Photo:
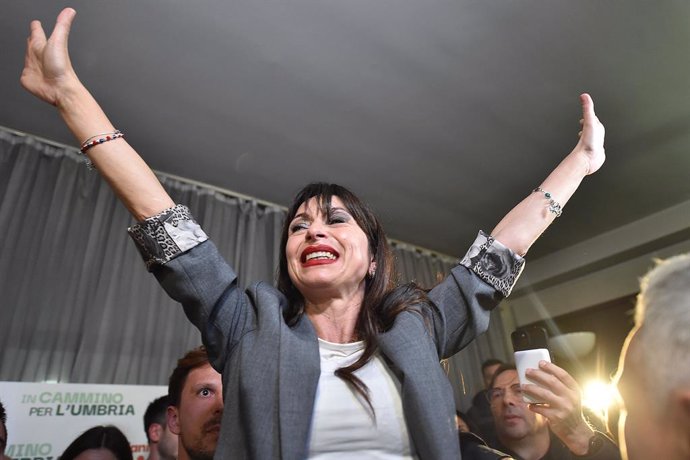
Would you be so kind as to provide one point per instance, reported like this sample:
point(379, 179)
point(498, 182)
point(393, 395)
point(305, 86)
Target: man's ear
point(173, 420)
point(155, 431)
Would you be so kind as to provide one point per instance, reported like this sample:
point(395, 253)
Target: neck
point(153, 453)
point(531, 447)
point(335, 320)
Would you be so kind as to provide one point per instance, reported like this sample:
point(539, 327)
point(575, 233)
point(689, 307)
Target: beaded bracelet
point(97, 139)
point(554, 206)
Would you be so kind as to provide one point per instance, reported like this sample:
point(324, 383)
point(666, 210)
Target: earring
point(372, 270)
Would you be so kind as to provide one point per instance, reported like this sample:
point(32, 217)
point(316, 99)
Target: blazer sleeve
point(191, 270)
point(462, 302)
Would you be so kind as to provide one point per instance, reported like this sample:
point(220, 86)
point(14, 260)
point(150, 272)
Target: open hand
point(591, 142)
point(47, 67)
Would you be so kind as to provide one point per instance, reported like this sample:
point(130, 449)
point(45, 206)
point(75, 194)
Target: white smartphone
point(530, 347)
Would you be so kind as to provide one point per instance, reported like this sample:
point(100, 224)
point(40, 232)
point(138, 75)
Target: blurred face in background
point(512, 417)
point(645, 430)
point(167, 443)
point(3, 439)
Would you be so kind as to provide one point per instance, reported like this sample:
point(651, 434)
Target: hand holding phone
point(530, 347)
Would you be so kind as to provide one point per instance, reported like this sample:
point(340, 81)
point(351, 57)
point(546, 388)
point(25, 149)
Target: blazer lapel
point(299, 376)
point(425, 390)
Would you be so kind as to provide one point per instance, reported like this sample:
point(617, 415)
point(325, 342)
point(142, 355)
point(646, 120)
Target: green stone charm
point(554, 206)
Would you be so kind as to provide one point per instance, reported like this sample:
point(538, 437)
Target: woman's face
point(327, 255)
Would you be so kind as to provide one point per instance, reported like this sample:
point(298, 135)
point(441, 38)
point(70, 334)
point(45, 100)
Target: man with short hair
point(162, 441)
point(654, 373)
point(195, 390)
point(554, 430)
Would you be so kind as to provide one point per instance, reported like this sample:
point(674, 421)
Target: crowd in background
point(500, 424)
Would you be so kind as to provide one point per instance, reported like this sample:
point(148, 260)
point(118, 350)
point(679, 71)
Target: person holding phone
point(553, 430)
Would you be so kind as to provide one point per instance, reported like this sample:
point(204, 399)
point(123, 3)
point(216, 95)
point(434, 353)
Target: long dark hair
point(382, 301)
point(100, 437)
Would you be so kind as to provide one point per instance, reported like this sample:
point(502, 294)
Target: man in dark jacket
point(554, 430)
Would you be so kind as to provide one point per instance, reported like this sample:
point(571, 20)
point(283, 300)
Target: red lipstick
point(318, 255)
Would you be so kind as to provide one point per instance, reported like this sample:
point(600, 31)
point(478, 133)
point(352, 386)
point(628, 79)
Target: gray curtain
point(76, 303)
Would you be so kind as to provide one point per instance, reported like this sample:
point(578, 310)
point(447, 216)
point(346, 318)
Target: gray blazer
point(271, 371)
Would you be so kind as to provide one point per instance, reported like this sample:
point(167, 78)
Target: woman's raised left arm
point(521, 227)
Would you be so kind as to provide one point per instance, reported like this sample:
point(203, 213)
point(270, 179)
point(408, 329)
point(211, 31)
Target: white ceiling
point(442, 114)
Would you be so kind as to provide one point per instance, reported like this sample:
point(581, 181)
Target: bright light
point(598, 396)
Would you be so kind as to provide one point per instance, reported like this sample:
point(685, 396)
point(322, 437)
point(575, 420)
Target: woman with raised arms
point(338, 361)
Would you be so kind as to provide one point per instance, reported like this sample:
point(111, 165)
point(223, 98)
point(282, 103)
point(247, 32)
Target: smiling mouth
point(319, 255)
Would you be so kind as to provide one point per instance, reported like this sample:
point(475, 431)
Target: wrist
point(596, 442)
point(69, 95)
point(81, 113)
point(578, 440)
point(580, 161)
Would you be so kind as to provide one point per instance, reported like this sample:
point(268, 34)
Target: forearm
point(128, 175)
point(521, 227)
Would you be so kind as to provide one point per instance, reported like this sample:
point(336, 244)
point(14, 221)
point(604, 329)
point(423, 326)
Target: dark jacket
point(472, 447)
point(605, 449)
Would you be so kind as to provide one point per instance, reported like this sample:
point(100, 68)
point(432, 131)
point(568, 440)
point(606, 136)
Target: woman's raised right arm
point(48, 75)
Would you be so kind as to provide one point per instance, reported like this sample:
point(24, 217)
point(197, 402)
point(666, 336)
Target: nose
point(219, 404)
point(316, 230)
point(511, 397)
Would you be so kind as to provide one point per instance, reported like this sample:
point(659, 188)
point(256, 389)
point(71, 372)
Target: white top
point(343, 426)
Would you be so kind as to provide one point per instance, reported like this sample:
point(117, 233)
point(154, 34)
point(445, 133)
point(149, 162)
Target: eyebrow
point(332, 209)
point(301, 215)
point(508, 385)
point(206, 384)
